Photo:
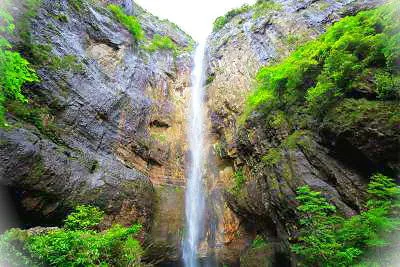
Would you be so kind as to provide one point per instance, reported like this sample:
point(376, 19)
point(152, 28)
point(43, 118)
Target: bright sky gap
point(193, 16)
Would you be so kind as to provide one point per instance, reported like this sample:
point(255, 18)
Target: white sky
point(194, 16)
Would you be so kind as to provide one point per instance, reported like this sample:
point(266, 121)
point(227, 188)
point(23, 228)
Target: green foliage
point(15, 71)
point(239, 181)
point(23, 26)
point(293, 41)
point(37, 171)
point(12, 252)
point(131, 252)
point(352, 53)
point(327, 239)
point(388, 85)
point(83, 218)
point(263, 7)
point(68, 63)
point(258, 242)
point(383, 188)
point(220, 22)
point(294, 139)
point(76, 4)
point(277, 119)
point(40, 55)
point(210, 78)
point(6, 24)
point(161, 42)
point(131, 23)
point(86, 247)
point(38, 116)
point(272, 157)
point(219, 150)
point(260, 8)
point(189, 47)
point(313, 205)
point(161, 137)
point(352, 112)
point(317, 232)
point(77, 244)
point(61, 17)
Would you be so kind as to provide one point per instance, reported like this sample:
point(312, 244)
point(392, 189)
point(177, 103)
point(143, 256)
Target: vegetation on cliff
point(346, 76)
point(260, 8)
point(78, 243)
point(329, 239)
point(158, 42)
point(239, 181)
point(357, 56)
point(131, 23)
point(220, 22)
point(161, 42)
point(339, 92)
point(15, 71)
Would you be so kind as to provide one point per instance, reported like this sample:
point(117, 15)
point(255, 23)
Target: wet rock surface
point(335, 156)
point(113, 117)
point(111, 130)
point(250, 40)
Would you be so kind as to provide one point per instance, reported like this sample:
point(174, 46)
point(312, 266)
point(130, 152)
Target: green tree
point(83, 218)
point(76, 244)
point(328, 239)
point(318, 223)
point(15, 71)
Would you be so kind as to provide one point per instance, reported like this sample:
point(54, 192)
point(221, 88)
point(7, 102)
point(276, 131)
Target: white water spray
point(195, 196)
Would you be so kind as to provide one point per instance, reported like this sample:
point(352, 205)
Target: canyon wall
point(106, 123)
point(277, 152)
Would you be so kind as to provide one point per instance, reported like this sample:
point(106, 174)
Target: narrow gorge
point(274, 141)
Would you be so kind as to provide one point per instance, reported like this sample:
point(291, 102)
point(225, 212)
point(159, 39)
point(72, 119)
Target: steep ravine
point(106, 125)
point(105, 128)
point(328, 157)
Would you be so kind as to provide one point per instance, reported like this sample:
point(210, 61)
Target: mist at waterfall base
point(195, 195)
point(8, 216)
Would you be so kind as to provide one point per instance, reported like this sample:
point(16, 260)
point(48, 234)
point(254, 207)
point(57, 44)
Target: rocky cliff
point(105, 124)
point(263, 157)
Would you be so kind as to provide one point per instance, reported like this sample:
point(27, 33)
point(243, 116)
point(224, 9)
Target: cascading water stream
point(195, 195)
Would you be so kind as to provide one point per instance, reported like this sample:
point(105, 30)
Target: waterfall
point(195, 195)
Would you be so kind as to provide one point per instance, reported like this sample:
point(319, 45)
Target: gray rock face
point(153, 25)
point(102, 115)
point(50, 179)
point(267, 200)
point(254, 39)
